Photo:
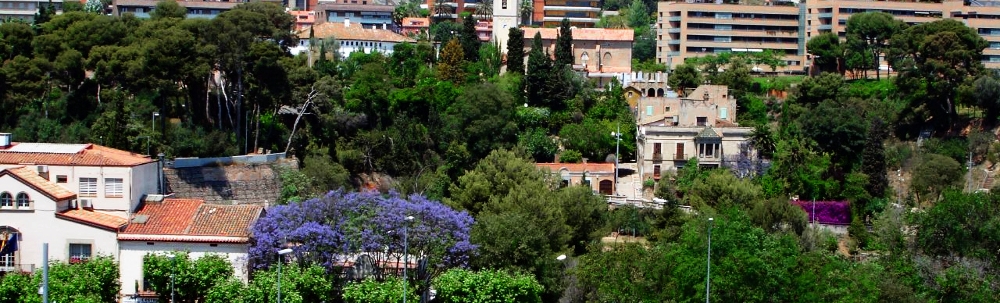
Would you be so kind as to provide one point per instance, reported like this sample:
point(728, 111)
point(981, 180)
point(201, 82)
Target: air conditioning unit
point(86, 203)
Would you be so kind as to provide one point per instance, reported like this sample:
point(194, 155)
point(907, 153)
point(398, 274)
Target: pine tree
point(873, 160)
point(515, 51)
point(470, 40)
point(450, 66)
point(537, 75)
point(564, 44)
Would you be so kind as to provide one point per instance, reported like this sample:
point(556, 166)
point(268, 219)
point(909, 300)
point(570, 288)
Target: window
point(723, 113)
point(61, 179)
point(656, 149)
point(79, 252)
point(23, 200)
point(6, 200)
point(649, 110)
point(667, 109)
point(9, 238)
point(88, 187)
point(113, 187)
point(702, 121)
point(656, 171)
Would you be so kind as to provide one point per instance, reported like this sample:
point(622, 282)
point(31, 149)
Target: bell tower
point(505, 16)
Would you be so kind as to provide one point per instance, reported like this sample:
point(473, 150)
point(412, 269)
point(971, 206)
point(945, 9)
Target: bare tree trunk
point(302, 110)
point(208, 95)
point(98, 93)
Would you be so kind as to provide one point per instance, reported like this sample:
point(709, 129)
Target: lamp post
point(173, 269)
point(708, 263)
point(281, 253)
point(618, 140)
point(155, 114)
point(406, 260)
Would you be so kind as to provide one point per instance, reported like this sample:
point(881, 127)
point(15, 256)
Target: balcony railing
point(657, 157)
point(680, 156)
point(17, 268)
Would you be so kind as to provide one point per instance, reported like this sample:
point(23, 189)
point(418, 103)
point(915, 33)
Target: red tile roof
point(354, 32)
point(31, 178)
point(191, 220)
point(106, 221)
point(89, 155)
point(579, 167)
point(581, 34)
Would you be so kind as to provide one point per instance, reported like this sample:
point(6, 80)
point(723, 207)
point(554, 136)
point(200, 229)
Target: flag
point(8, 243)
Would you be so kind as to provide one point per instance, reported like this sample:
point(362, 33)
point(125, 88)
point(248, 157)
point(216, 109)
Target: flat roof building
point(695, 28)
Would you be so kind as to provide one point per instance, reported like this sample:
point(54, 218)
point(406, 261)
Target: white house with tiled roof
point(76, 197)
point(351, 37)
point(161, 226)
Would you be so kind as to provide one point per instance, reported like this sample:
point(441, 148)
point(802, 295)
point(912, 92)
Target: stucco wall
point(136, 182)
point(132, 253)
point(39, 225)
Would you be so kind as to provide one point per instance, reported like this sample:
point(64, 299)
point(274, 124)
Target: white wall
point(39, 225)
point(132, 253)
point(346, 47)
point(137, 181)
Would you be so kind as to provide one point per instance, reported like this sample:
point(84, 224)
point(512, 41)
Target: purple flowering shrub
point(332, 229)
point(827, 212)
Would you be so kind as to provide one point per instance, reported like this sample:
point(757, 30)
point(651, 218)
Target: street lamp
point(173, 269)
point(618, 140)
point(155, 114)
point(406, 260)
point(281, 253)
point(708, 263)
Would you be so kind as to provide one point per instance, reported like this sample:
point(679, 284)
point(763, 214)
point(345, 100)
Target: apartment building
point(695, 28)
point(451, 9)
point(673, 130)
point(25, 9)
point(366, 15)
point(195, 9)
point(351, 37)
point(580, 13)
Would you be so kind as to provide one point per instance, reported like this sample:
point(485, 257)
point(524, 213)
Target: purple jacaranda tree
point(341, 225)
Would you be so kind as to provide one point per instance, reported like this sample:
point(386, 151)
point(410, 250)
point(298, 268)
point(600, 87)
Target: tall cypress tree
point(515, 51)
point(564, 44)
point(470, 40)
point(873, 161)
point(536, 78)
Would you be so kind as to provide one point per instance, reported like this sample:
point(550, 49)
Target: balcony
point(826, 15)
point(17, 268)
point(674, 18)
point(674, 30)
point(825, 27)
point(571, 19)
point(680, 157)
point(761, 21)
point(743, 33)
point(556, 8)
point(674, 42)
point(657, 157)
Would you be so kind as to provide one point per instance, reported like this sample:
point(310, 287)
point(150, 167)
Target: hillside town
point(499, 151)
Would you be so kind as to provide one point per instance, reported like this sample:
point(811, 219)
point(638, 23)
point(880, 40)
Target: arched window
point(23, 200)
point(659, 92)
point(651, 93)
point(607, 58)
point(6, 200)
point(9, 238)
point(584, 58)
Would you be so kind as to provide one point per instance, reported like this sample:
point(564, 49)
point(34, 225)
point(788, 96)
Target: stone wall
point(232, 184)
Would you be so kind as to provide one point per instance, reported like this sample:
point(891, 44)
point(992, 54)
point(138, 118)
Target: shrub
point(371, 291)
point(570, 156)
point(488, 286)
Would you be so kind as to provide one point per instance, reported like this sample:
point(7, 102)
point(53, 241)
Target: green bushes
point(487, 286)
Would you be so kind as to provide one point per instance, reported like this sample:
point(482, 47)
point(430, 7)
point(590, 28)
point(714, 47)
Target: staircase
point(988, 183)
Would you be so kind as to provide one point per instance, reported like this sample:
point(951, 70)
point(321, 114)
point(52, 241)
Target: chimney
point(5, 139)
point(161, 188)
point(347, 22)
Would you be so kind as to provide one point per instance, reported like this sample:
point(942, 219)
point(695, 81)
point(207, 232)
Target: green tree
point(722, 189)
point(933, 174)
point(828, 53)
point(873, 163)
point(872, 31)
point(371, 291)
point(584, 215)
point(515, 51)
point(496, 175)
point(638, 15)
point(538, 73)
point(986, 94)
point(450, 66)
point(564, 45)
point(192, 278)
point(470, 39)
point(685, 76)
point(168, 9)
point(487, 286)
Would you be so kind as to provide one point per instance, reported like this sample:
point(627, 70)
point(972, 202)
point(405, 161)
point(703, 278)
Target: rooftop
point(191, 219)
point(590, 34)
point(31, 178)
point(90, 217)
point(188, 4)
point(69, 155)
point(579, 167)
point(341, 31)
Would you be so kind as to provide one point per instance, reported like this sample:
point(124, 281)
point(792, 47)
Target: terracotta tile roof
point(589, 34)
point(88, 155)
point(192, 220)
point(579, 167)
point(355, 32)
point(106, 221)
point(31, 178)
point(416, 22)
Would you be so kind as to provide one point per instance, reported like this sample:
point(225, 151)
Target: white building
point(76, 197)
point(347, 38)
point(162, 226)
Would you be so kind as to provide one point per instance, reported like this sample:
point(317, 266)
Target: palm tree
point(485, 9)
point(442, 8)
point(527, 7)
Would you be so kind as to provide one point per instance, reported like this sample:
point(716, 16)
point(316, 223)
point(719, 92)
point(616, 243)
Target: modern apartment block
point(695, 28)
point(25, 9)
point(450, 9)
point(581, 13)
